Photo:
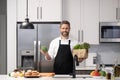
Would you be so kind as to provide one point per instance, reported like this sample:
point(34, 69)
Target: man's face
point(65, 29)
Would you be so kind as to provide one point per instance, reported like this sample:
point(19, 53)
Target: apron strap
point(59, 42)
point(69, 42)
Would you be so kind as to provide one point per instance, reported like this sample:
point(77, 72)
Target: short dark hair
point(65, 22)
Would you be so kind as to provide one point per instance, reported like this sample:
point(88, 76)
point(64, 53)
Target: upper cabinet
point(40, 10)
point(71, 12)
point(109, 10)
point(84, 18)
point(21, 10)
point(89, 18)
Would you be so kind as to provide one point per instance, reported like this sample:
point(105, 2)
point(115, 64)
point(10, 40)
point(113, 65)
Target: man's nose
point(65, 29)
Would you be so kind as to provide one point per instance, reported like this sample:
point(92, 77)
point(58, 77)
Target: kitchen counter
point(63, 77)
point(85, 68)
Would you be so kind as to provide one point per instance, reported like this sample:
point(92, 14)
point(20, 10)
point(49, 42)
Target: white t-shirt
point(54, 45)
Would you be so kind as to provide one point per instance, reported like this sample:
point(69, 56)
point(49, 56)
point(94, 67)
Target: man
point(60, 50)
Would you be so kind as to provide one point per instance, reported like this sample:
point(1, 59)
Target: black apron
point(64, 60)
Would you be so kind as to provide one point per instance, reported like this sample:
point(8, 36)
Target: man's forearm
point(47, 56)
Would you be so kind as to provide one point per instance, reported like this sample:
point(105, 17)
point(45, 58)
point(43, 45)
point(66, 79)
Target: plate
point(31, 76)
point(97, 77)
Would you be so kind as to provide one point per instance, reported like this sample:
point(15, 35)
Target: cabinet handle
point(40, 12)
point(116, 13)
point(82, 33)
point(37, 12)
point(78, 36)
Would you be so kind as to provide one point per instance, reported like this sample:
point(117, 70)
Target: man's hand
point(81, 59)
point(42, 52)
point(45, 54)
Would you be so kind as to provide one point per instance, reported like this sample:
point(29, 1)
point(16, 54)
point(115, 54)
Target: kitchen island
point(63, 77)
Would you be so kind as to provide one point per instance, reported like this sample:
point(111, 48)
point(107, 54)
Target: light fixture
point(26, 24)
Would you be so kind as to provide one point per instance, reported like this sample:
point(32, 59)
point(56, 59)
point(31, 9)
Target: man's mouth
point(65, 33)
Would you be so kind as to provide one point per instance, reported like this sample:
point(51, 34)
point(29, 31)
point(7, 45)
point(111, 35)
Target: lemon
point(21, 74)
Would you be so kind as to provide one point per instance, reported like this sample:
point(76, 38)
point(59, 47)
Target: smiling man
point(60, 50)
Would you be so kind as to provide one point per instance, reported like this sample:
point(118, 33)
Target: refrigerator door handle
point(39, 55)
point(35, 56)
point(34, 51)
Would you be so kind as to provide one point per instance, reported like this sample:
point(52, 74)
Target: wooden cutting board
point(47, 74)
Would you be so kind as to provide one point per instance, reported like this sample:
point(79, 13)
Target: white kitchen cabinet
point(40, 10)
point(89, 21)
point(52, 10)
point(71, 12)
point(84, 18)
point(21, 10)
point(109, 10)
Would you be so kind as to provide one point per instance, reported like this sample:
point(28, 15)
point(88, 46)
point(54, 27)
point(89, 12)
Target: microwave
point(109, 32)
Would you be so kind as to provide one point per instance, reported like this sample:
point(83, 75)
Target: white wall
point(11, 35)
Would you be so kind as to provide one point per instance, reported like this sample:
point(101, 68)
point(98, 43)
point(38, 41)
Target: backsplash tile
point(107, 52)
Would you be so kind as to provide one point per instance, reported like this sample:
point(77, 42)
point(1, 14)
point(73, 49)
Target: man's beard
point(65, 34)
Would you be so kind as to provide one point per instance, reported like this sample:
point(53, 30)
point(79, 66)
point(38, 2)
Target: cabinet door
point(40, 10)
point(84, 18)
point(21, 10)
point(34, 10)
point(108, 10)
point(71, 12)
point(51, 10)
point(90, 21)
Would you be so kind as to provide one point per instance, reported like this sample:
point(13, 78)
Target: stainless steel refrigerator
point(29, 42)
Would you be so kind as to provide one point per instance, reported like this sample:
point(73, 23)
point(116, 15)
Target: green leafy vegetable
point(86, 45)
point(44, 48)
point(82, 46)
point(77, 46)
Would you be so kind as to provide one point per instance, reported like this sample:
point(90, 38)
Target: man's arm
point(47, 56)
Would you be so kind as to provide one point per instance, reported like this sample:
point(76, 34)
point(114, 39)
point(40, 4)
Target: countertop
point(85, 68)
point(63, 77)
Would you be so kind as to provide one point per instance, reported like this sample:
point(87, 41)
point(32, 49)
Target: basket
point(81, 53)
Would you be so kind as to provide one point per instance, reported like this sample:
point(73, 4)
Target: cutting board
point(47, 74)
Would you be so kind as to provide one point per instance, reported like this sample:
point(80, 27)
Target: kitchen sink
point(62, 76)
point(69, 76)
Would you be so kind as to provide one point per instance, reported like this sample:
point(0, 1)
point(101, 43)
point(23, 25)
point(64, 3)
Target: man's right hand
point(45, 54)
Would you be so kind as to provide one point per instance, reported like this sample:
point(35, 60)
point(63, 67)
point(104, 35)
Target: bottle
point(115, 65)
point(112, 76)
point(108, 75)
point(113, 73)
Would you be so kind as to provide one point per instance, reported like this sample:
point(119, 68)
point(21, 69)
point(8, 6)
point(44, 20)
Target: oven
point(109, 32)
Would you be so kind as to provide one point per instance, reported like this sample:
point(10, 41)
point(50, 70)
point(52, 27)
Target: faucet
point(75, 63)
